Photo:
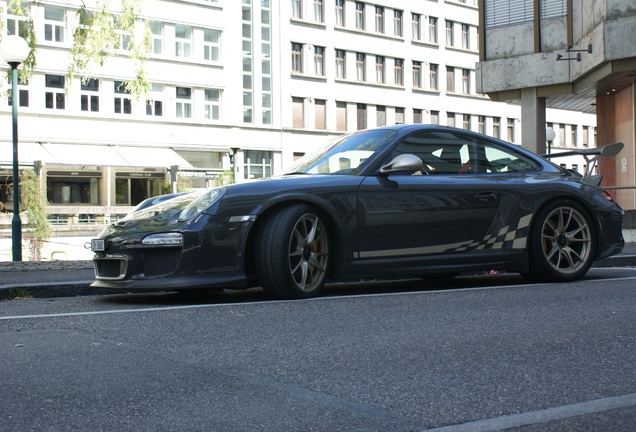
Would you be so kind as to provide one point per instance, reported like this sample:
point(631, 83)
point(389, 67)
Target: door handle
point(486, 196)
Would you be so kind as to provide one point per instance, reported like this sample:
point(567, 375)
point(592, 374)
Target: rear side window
point(451, 153)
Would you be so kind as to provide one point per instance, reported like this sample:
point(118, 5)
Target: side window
point(441, 152)
point(502, 160)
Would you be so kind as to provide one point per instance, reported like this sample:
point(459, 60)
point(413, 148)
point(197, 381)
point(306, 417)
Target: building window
point(466, 81)
point(379, 19)
point(399, 115)
point(17, 25)
point(23, 94)
point(266, 64)
point(297, 57)
point(450, 119)
point(417, 74)
point(416, 26)
point(124, 40)
point(562, 135)
point(503, 13)
point(55, 98)
point(320, 107)
point(496, 127)
point(184, 102)
point(156, 28)
point(297, 9)
point(433, 77)
point(89, 98)
point(434, 117)
point(360, 16)
point(54, 21)
point(397, 22)
point(258, 164)
point(71, 189)
point(417, 115)
point(465, 36)
point(211, 45)
point(380, 115)
point(212, 105)
point(450, 41)
point(318, 8)
point(183, 41)
point(379, 70)
point(247, 46)
point(360, 66)
point(340, 64)
point(553, 8)
point(361, 116)
point(481, 124)
point(574, 135)
point(298, 110)
point(123, 101)
point(511, 130)
point(398, 75)
point(466, 122)
point(340, 19)
point(130, 191)
point(586, 135)
point(450, 79)
point(432, 30)
point(341, 116)
point(154, 104)
point(319, 60)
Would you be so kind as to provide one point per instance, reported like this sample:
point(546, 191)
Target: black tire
point(562, 243)
point(291, 252)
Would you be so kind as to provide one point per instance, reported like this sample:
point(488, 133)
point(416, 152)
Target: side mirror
point(403, 164)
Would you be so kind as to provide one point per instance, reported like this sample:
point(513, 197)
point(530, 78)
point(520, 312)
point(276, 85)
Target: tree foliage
point(98, 34)
point(34, 203)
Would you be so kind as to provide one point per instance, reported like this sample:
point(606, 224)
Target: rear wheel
point(292, 252)
point(562, 243)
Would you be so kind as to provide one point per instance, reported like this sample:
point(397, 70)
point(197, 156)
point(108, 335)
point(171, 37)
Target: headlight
point(163, 239)
point(200, 204)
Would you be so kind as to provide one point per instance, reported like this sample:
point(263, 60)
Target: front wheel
point(562, 243)
point(292, 252)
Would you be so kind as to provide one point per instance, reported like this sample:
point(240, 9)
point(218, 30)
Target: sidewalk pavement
point(47, 279)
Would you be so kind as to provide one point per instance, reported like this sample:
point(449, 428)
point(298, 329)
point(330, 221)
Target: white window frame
point(212, 104)
point(212, 47)
point(157, 37)
point(54, 29)
point(90, 95)
point(183, 102)
point(183, 44)
point(122, 98)
point(155, 99)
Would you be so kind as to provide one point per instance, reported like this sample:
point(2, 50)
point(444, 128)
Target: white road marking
point(261, 302)
point(542, 416)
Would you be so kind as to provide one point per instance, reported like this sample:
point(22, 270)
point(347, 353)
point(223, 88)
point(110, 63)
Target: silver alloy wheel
point(308, 252)
point(566, 240)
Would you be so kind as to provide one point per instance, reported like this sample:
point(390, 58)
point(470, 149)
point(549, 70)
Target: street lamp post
point(550, 135)
point(14, 50)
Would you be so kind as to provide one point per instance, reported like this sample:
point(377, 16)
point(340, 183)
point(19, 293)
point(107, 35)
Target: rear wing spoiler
point(591, 157)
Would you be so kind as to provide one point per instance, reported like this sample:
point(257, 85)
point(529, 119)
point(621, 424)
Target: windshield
point(347, 154)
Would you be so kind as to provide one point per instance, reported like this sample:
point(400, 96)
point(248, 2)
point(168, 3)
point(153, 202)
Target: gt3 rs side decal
point(505, 238)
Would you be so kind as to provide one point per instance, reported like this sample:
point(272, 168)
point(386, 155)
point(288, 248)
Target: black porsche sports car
point(408, 200)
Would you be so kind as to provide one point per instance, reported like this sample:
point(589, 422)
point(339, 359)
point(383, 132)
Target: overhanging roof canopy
point(79, 155)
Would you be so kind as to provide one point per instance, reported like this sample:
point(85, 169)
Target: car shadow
point(339, 289)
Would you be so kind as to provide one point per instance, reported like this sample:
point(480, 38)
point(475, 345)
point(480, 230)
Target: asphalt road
point(484, 353)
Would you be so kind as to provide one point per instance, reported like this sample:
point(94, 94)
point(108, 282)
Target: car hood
point(159, 217)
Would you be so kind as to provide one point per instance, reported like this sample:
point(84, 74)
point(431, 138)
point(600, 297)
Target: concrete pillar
point(533, 121)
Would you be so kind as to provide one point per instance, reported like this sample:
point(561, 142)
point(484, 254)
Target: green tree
point(34, 203)
point(98, 34)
